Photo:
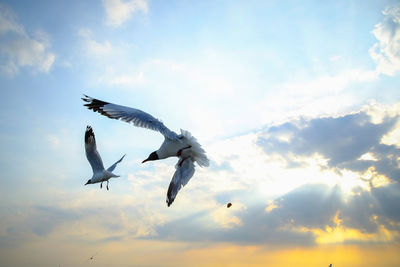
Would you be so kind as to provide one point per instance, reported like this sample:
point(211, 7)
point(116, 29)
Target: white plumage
point(100, 175)
point(184, 146)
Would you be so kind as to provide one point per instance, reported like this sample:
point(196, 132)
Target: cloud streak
point(19, 49)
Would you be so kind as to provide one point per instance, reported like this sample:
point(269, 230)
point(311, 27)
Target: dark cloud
point(258, 228)
point(388, 199)
point(342, 141)
point(313, 206)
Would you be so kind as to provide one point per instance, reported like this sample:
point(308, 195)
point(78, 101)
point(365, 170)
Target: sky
point(297, 104)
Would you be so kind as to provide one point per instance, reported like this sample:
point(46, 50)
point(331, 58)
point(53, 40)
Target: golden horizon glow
point(159, 253)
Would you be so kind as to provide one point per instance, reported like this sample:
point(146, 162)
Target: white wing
point(112, 167)
point(137, 117)
point(184, 171)
point(92, 154)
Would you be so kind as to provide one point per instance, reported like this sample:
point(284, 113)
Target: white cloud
point(21, 50)
point(92, 46)
point(386, 52)
point(120, 11)
point(126, 79)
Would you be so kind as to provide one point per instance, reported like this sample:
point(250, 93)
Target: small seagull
point(100, 175)
point(184, 146)
point(229, 205)
point(92, 257)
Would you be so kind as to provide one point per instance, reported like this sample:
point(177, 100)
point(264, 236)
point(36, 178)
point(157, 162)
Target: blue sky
point(296, 103)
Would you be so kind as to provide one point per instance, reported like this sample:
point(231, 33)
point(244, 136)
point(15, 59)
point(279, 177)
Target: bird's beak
point(152, 156)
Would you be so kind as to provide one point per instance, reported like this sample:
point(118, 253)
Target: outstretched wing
point(92, 154)
point(137, 117)
point(112, 167)
point(184, 171)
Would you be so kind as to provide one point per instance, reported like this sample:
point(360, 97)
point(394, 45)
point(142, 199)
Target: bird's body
point(100, 174)
point(184, 146)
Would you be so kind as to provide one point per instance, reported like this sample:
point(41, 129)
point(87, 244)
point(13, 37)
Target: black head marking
point(89, 132)
point(152, 156)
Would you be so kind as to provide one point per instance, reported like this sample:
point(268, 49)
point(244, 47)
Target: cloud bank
point(316, 213)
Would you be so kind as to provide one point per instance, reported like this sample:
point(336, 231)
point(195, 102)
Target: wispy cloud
point(19, 48)
point(92, 46)
point(120, 11)
point(8, 21)
point(386, 52)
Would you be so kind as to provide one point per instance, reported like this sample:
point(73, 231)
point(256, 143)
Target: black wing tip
point(93, 102)
point(96, 105)
point(86, 98)
point(121, 158)
point(169, 200)
point(169, 203)
point(89, 132)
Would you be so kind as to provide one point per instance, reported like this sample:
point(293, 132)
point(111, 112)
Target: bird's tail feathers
point(198, 152)
point(112, 174)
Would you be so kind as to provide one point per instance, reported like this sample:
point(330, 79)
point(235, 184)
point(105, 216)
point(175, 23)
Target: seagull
point(100, 175)
point(92, 257)
point(184, 145)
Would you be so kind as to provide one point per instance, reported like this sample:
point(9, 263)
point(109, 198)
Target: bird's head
point(152, 156)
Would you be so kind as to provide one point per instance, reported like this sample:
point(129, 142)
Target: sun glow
point(339, 234)
point(349, 180)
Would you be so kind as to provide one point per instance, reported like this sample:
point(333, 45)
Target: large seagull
point(184, 146)
point(100, 175)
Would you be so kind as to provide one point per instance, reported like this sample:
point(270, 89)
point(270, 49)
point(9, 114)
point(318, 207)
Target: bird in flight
point(100, 175)
point(183, 145)
point(92, 257)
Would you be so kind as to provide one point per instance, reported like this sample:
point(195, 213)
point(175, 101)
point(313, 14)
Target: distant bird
point(184, 146)
point(92, 257)
point(229, 205)
point(330, 265)
point(100, 175)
